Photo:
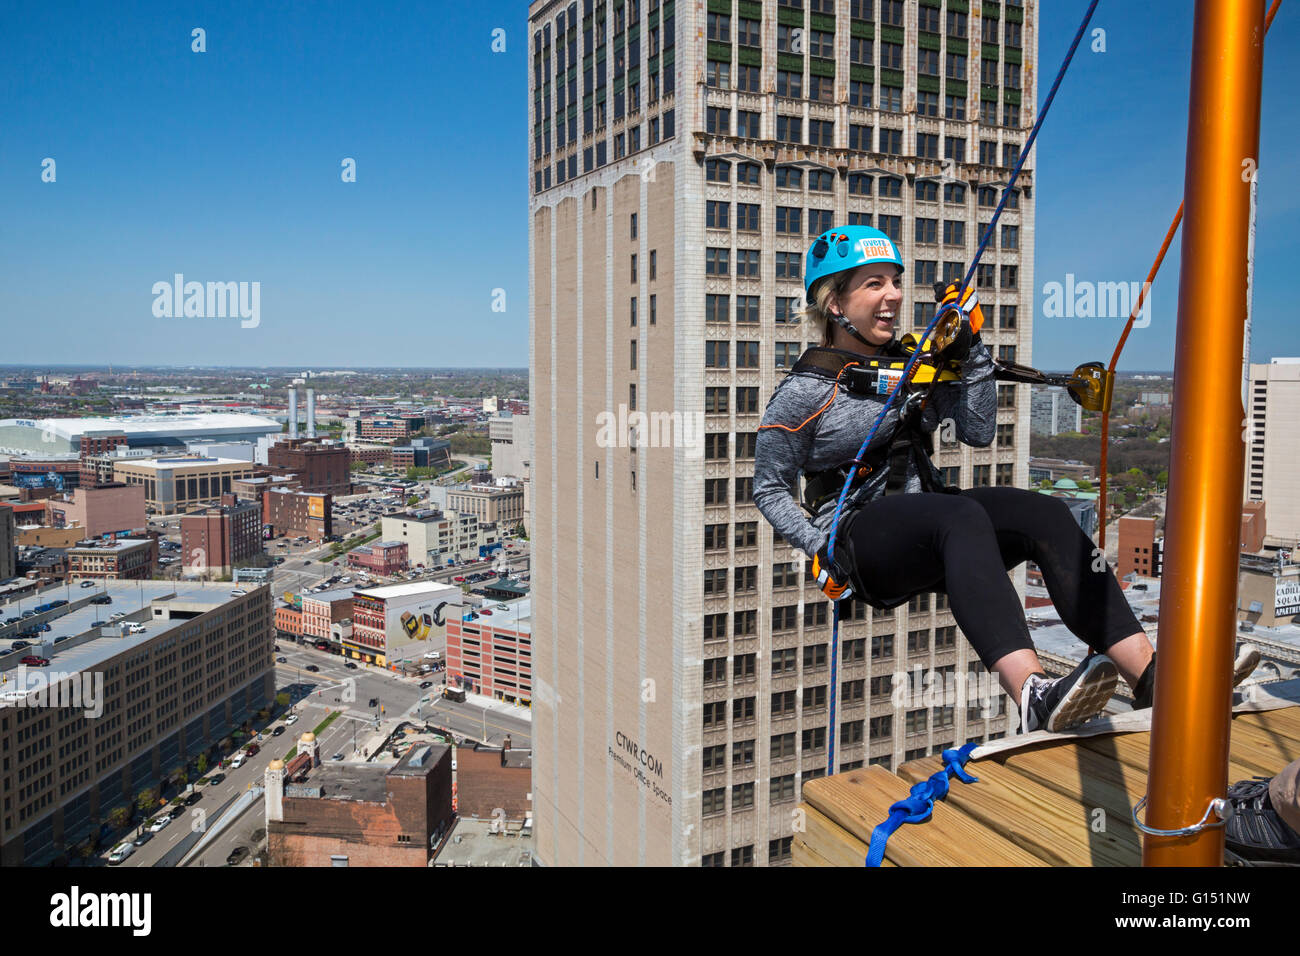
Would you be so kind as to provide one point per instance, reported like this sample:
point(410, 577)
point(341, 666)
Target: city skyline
point(86, 258)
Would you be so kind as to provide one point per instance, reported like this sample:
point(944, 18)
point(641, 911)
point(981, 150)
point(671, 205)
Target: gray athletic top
point(834, 437)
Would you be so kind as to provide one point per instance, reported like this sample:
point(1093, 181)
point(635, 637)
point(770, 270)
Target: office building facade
point(1273, 445)
point(201, 667)
point(683, 157)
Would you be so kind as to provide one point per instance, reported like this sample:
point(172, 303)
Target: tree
point(202, 764)
point(146, 799)
point(1162, 480)
point(282, 700)
point(1045, 483)
point(1084, 484)
point(119, 817)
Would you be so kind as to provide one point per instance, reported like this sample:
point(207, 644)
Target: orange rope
point(834, 392)
point(1128, 326)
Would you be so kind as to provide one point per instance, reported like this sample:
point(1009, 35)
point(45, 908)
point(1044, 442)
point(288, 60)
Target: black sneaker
point(1055, 704)
point(1247, 660)
point(1255, 832)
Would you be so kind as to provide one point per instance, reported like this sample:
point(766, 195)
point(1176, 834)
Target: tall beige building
point(683, 157)
point(1273, 431)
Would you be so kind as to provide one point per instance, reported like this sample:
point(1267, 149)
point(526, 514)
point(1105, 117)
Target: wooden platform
point(1058, 803)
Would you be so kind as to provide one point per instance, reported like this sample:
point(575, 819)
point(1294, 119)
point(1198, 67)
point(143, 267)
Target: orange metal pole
point(1190, 723)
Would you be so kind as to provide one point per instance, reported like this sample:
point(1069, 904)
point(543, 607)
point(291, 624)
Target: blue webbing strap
point(917, 807)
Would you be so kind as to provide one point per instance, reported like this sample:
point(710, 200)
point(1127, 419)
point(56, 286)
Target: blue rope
point(917, 807)
point(929, 329)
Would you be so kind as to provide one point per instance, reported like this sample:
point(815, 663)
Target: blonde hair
point(817, 312)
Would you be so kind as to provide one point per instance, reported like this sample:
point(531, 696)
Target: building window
point(716, 216)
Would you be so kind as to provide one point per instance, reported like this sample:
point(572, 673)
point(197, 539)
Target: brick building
point(288, 620)
point(219, 538)
point(319, 466)
point(120, 559)
point(94, 447)
point(322, 610)
point(346, 814)
point(371, 454)
point(382, 557)
point(492, 654)
point(105, 509)
point(1139, 551)
point(389, 427)
point(298, 512)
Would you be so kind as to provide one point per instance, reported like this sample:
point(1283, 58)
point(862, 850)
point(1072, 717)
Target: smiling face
point(870, 301)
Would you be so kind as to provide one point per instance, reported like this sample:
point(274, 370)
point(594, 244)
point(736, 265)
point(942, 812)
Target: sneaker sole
point(1248, 658)
point(1087, 698)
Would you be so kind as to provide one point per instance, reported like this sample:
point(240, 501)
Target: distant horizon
point(293, 369)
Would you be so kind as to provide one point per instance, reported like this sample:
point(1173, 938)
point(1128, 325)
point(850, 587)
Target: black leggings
point(963, 544)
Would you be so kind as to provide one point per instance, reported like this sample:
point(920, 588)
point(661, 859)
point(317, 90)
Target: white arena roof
point(54, 435)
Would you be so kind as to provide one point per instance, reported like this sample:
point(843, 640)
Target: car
point(237, 592)
point(282, 660)
point(102, 599)
point(87, 584)
point(27, 614)
point(426, 684)
point(459, 578)
point(99, 624)
point(34, 661)
point(12, 620)
point(237, 760)
point(194, 798)
point(62, 637)
point(253, 749)
point(143, 838)
point(160, 824)
point(279, 729)
point(19, 645)
point(215, 779)
point(312, 668)
point(237, 856)
point(120, 853)
point(291, 719)
point(337, 757)
point(43, 627)
point(486, 611)
point(306, 560)
point(350, 666)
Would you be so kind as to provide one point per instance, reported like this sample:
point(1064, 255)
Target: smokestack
point(311, 413)
point(293, 411)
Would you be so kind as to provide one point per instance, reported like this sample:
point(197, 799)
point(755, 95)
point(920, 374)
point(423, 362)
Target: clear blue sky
point(226, 166)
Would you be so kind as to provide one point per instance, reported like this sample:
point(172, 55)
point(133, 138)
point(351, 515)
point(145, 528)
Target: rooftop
point(473, 843)
point(121, 544)
point(402, 590)
point(181, 461)
point(142, 425)
point(1027, 805)
point(88, 647)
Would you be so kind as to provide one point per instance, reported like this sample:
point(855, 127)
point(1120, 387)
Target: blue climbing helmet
point(847, 247)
